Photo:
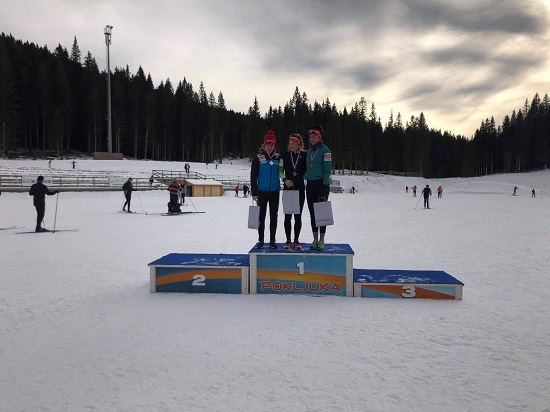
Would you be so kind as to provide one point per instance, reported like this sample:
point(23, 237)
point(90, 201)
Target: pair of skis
point(172, 214)
point(48, 231)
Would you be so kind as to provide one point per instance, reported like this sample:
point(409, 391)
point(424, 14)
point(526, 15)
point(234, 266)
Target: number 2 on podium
point(198, 280)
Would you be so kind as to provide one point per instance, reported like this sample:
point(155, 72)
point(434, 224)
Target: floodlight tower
point(108, 31)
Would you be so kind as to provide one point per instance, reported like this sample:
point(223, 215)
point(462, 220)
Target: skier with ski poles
point(128, 188)
point(39, 190)
point(427, 192)
point(173, 205)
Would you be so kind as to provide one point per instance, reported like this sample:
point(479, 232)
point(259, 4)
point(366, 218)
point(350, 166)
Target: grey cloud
point(486, 16)
point(421, 90)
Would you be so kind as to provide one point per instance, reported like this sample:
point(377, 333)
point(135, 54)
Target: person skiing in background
point(427, 192)
point(265, 186)
point(515, 190)
point(406, 189)
point(319, 168)
point(353, 190)
point(237, 190)
point(179, 195)
point(245, 190)
point(151, 181)
point(439, 191)
point(74, 164)
point(174, 189)
point(294, 167)
point(50, 164)
point(533, 193)
point(39, 190)
point(128, 188)
point(183, 191)
point(414, 190)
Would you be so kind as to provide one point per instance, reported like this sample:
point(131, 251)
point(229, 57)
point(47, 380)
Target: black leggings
point(265, 198)
point(316, 192)
point(128, 200)
point(426, 202)
point(40, 212)
point(297, 219)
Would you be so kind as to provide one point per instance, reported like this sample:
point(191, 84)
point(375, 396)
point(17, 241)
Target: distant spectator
point(533, 193)
point(515, 190)
point(74, 163)
point(237, 190)
point(353, 190)
point(151, 180)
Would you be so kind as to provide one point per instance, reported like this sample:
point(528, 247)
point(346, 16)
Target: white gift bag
point(291, 202)
point(323, 214)
point(253, 217)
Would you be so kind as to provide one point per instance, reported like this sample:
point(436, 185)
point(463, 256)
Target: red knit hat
point(270, 138)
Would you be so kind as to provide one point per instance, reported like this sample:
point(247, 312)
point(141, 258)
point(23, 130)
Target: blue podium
point(408, 284)
point(296, 272)
point(303, 272)
point(200, 273)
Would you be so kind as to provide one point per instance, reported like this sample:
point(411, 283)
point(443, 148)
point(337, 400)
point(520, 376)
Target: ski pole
point(417, 202)
point(193, 204)
point(55, 218)
point(142, 208)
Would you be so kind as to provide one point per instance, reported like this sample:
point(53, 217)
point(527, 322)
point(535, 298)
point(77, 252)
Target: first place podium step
point(303, 272)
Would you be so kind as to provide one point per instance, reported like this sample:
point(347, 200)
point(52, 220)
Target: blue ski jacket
point(264, 173)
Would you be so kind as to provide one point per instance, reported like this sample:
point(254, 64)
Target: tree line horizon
point(55, 102)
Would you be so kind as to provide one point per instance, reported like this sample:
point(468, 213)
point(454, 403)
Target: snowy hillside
point(80, 331)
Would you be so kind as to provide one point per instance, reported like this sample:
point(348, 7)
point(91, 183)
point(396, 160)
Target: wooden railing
point(14, 183)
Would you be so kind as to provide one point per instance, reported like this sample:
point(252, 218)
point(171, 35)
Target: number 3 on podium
point(409, 291)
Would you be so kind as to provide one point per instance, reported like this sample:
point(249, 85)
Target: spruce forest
point(54, 103)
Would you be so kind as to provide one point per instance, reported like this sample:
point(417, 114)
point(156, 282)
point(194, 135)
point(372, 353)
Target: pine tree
point(75, 52)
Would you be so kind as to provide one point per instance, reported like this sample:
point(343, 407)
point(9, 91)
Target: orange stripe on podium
point(281, 275)
point(208, 274)
point(418, 291)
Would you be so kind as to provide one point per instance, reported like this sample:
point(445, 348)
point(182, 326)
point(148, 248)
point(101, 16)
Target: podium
point(408, 284)
point(200, 273)
point(296, 272)
point(302, 272)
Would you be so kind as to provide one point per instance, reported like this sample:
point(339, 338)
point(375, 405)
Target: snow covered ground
point(80, 331)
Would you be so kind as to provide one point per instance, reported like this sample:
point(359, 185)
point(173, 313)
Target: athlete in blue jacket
point(265, 186)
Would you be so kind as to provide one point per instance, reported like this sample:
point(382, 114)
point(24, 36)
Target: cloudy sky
point(458, 61)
